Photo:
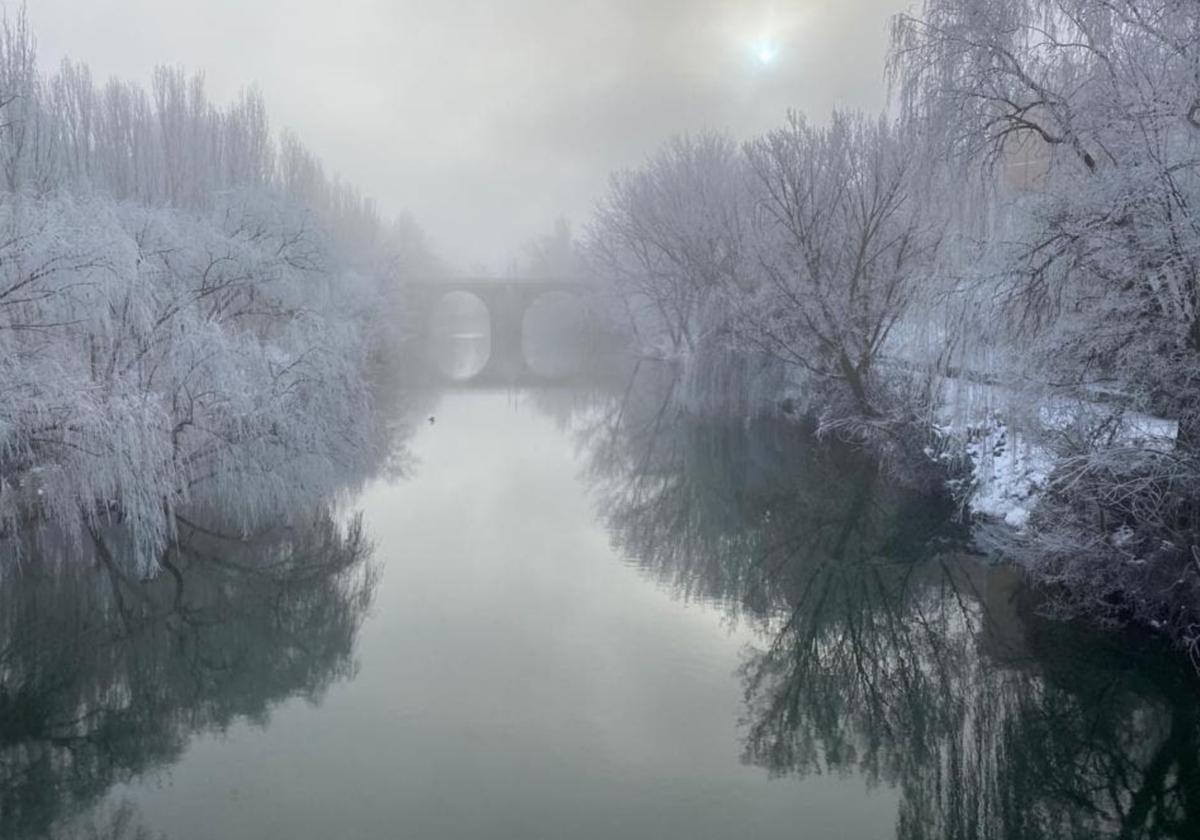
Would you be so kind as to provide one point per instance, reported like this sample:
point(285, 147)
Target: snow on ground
point(1010, 462)
point(1008, 473)
point(1006, 441)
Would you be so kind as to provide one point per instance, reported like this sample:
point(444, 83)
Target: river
point(585, 615)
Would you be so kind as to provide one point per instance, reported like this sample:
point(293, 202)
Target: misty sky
point(487, 120)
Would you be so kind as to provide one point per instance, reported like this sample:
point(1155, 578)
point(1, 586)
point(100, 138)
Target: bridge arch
point(459, 334)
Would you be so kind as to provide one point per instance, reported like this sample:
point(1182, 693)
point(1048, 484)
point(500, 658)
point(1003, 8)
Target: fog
point(486, 121)
point(599, 419)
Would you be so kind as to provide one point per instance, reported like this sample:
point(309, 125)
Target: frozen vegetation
point(994, 287)
point(190, 310)
point(998, 278)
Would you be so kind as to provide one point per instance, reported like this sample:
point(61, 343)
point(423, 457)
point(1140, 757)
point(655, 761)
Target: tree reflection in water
point(103, 678)
point(886, 649)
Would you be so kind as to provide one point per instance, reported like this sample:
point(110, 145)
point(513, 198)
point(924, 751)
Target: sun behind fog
point(765, 51)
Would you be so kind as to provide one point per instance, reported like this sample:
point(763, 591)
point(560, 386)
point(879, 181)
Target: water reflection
point(882, 650)
point(103, 678)
point(885, 649)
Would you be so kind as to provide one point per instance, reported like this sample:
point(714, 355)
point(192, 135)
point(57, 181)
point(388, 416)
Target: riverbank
point(1017, 471)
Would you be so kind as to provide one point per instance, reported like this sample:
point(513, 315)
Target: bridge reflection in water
point(481, 333)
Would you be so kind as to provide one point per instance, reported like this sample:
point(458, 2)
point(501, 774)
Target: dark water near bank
point(586, 616)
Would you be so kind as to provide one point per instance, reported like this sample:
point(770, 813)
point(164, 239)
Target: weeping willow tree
point(1086, 113)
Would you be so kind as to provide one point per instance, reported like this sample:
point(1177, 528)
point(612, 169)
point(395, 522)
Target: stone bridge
point(507, 301)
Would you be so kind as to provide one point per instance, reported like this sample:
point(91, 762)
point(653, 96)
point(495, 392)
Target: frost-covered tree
point(191, 314)
point(1099, 265)
point(843, 242)
point(671, 234)
point(1095, 265)
point(806, 247)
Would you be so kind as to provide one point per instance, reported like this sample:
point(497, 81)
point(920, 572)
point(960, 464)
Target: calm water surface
point(587, 616)
point(516, 679)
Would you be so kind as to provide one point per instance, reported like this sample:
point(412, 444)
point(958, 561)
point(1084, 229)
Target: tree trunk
point(854, 378)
